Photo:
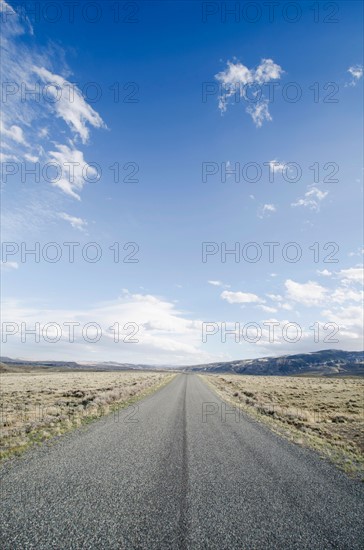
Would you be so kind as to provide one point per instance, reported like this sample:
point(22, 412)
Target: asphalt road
point(178, 472)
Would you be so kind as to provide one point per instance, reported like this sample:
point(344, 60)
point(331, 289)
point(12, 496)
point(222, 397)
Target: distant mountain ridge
point(325, 363)
point(7, 363)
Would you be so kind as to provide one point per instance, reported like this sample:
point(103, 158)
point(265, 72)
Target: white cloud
point(275, 166)
point(307, 294)
point(342, 295)
point(352, 275)
point(43, 132)
point(279, 302)
point(14, 133)
point(32, 218)
point(259, 113)
point(31, 158)
point(324, 273)
point(359, 252)
point(77, 223)
point(312, 199)
point(246, 84)
point(165, 335)
point(32, 121)
point(286, 306)
point(346, 317)
point(6, 158)
point(5, 8)
point(268, 309)
point(356, 72)
point(7, 266)
point(218, 283)
point(266, 209)
point(69, 103)
point(11, 23)
point(266, 71)
point(239, 297)
point(236, 74)
point(72, 168)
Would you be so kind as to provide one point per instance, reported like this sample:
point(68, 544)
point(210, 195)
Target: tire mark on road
point(182, 524)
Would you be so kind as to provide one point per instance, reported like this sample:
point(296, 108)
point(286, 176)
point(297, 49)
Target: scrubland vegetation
point(326, 414)
point(37, 406)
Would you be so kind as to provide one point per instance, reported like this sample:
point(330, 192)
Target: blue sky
point(171, 138)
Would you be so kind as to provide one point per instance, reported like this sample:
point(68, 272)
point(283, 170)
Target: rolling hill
point(318, 363)
point(324, 363)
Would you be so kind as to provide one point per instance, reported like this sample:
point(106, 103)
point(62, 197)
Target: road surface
point(177, 472)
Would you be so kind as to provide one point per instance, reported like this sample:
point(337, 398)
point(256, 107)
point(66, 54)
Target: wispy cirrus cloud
point(215, 283)
point(77, 223)
point(8, 266)
point(218, 283)
point(40, 106)
point(312, 199)
point(69, 104)
point(72, 167)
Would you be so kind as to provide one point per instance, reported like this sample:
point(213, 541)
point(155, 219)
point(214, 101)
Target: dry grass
point(323, 413)
point(36, 406)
